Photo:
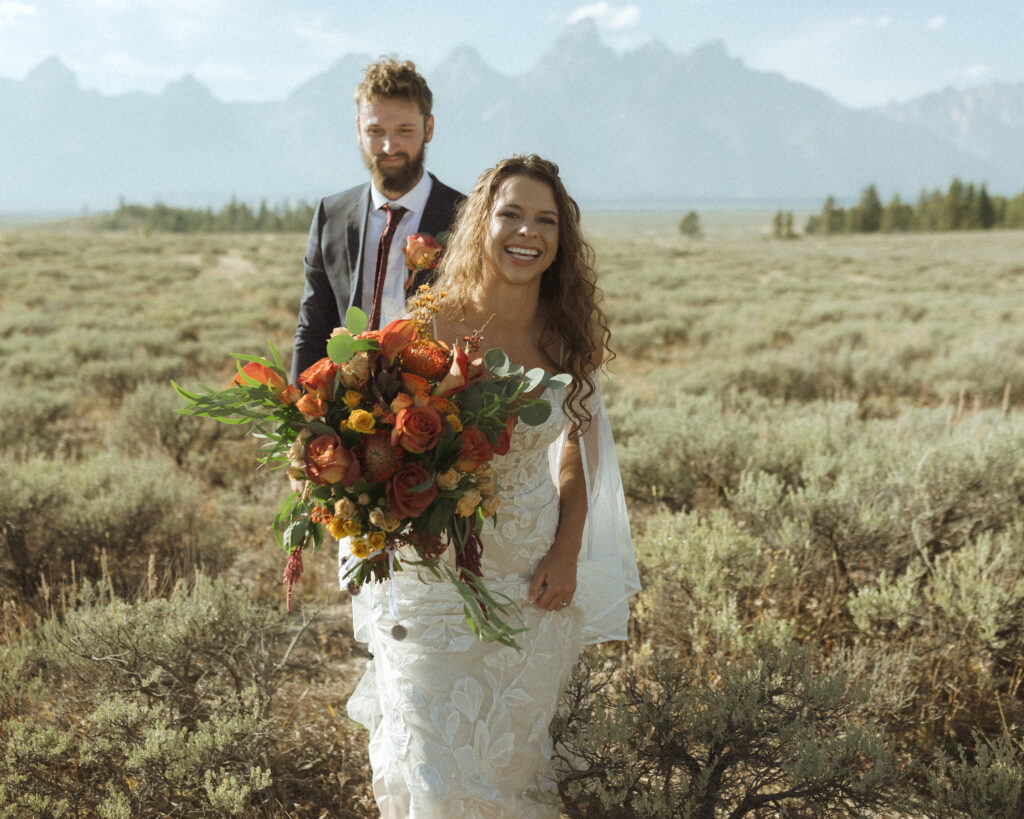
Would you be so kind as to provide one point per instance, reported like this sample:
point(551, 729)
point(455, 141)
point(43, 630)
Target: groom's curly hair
point(388, 79)
point(575, 324)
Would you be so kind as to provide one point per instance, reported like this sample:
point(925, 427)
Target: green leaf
point(535, 414)
point(497, 362)
point(341, 348)
point(534, 378)
point(355, 320)
point(320, 428)
point(559, 381)
point(295, 534)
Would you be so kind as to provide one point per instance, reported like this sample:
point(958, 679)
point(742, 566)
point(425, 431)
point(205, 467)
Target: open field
point(821, 444)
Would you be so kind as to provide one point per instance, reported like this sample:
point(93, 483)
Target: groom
point(356, 249)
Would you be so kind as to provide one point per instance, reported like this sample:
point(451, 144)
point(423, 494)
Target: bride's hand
point(554, 582)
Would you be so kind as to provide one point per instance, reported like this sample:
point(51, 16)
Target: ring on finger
point(564, 603)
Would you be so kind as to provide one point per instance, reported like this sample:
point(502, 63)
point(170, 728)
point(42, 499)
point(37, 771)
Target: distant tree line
point(235, 217)
point(961, 207)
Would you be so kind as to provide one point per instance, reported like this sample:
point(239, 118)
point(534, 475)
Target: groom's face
point(393, 134)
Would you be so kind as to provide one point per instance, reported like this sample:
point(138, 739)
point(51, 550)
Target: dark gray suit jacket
point(334, 263)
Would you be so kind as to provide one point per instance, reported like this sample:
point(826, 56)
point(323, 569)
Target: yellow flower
point(468, 502)
point(361, 421)
point(345, 509)
point(352, 398)
point(352, 527)
point(377, 517)
point(360, 548)
point(391, 522)
point(490, 505)
point(377, 540)
point(453, 419)
point(336, 526)
point(449, 480)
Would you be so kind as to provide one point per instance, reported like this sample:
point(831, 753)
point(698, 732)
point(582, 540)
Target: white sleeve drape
point(607, 574)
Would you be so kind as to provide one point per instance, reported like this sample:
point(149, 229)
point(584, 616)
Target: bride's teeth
point(523, 253)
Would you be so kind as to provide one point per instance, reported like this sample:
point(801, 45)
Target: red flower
point(504, 441)
point(476, 449)
point(404, 500)
point(261, 373)
point(417, 429)
point(457, 377)
point(311, 406)
point(422, 252)
point(318, 378)
point(395, 336)
point(328, 462)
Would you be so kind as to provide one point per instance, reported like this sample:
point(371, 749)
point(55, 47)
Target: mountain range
point(646, 127)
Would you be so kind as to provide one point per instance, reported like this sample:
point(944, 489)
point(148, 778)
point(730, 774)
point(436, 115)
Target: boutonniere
point(422, 252)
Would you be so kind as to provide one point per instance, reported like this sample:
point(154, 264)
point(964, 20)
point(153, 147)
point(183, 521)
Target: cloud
point(11, 11)
point(865, 22)
point(607, 16)
point(335, 42)
point(936, 22)
point(12, 8)
point(976, 72)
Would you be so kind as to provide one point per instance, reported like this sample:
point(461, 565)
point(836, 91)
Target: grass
point(819, 439)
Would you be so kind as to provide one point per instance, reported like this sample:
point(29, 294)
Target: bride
point(458, 726)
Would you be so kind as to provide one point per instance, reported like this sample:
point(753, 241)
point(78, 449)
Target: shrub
point(154, 709)
point(56, 512)
point(761, 732)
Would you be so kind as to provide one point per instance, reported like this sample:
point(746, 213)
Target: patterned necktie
point(394, 215)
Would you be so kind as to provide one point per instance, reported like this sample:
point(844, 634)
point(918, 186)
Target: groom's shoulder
point(346, 199)
point(444, 193)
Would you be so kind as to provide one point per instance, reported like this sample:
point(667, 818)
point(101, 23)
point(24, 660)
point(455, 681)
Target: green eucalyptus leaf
point(341, 347)
point(559, 381)
point(356, 321)
point(535, 413)
point(497, 362)
point(533, 379)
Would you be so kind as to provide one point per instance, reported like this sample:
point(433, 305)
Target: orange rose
point(476, 449)
point(311, 407)
point(416, 429)
point(404, 500)
point(290, 394)
point(422, 252)
point(401, 401)
point(328, 462)
point(318, 378)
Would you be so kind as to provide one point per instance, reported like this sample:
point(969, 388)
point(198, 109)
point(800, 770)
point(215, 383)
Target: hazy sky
point(862, 53)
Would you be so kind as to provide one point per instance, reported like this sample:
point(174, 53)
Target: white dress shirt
point(392, 304)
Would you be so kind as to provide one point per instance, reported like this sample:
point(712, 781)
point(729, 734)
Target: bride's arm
point(554, 582)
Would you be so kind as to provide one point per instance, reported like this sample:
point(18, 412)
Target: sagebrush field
point(820, 440)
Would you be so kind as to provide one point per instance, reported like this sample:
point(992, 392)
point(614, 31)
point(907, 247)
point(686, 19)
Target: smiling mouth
point(523, 254)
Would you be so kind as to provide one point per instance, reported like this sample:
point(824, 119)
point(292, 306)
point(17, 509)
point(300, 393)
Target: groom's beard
point(400, 178)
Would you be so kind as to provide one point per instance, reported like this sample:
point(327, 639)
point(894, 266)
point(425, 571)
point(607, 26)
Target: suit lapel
point(356, 231)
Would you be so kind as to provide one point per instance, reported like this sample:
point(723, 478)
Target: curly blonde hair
point(387, 79)
point(575, 324)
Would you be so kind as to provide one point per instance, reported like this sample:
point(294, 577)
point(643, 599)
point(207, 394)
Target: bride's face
point(522, 233)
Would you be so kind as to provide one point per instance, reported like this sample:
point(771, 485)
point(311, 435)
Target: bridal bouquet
point(390, 440)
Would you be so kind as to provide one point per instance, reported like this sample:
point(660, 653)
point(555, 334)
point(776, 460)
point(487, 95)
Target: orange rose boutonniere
point(422, 252)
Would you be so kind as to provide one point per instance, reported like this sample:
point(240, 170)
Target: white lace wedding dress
point(460, 727)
